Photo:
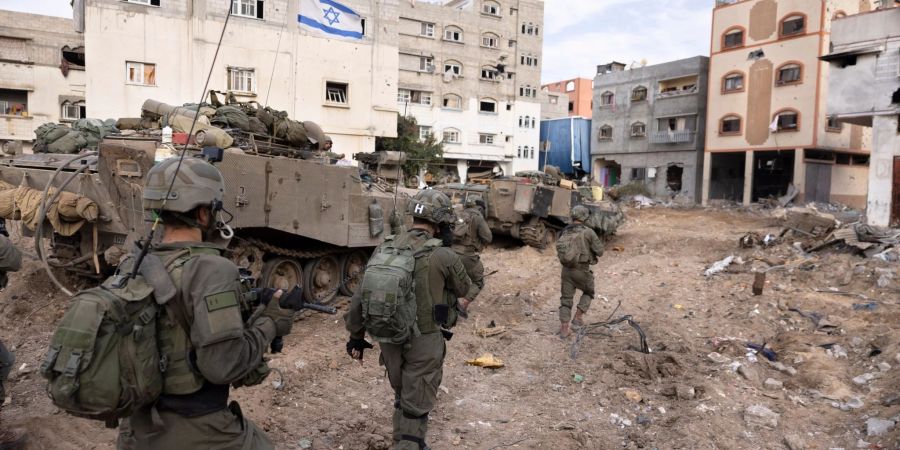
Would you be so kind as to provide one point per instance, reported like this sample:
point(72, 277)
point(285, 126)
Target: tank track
point(299, 254)
point(533, 236)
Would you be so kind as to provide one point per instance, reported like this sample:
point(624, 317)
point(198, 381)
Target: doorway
point(726, 176)
point(674, 176)
point(608, 172)
point(773, 172)
point(818, 183)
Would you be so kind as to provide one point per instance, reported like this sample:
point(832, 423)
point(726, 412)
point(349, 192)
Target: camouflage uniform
point(415, 369)
point(580, 275)
point(10, 261)
point(469, 247)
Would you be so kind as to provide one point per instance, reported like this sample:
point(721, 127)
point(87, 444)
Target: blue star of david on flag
point(330, 18)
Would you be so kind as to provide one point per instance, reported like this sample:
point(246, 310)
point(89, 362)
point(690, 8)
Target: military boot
point(12, 439)
point(564, 330)
point(578, 320)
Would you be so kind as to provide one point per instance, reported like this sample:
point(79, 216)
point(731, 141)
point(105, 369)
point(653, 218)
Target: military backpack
point(569, 246)
point(388, 291)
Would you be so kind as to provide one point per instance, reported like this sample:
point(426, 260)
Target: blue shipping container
point(567, 142)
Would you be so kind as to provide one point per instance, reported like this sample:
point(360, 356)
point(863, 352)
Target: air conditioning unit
point(430, 68)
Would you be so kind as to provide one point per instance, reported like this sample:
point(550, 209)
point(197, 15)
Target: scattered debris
point(633, 395)
point(618, 420)
point(759, 415)
point(486, 360)
point(773, 384)
point(578, 378)
point(491, 331)
point(685, 392)
point(877, 427)
point(719, 266)
point(864, 378)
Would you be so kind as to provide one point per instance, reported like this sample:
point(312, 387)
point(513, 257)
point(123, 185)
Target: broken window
point(453, 34)
point(241, 79)
point(490, 40)
point(605, 133)
point(788, 121)
point(831, 124)
point(247, 8)
point(570, 86)
point(571, 106)
point(426, 29)
point(452, 101)
point(489, 73)
point(140, 73)
point(733, 82)
point(73, 111)
point(451, 136)
point(730, 125)
point(638, 129)
point(490, 7)
point(733, 38)
point(485, 139)
point(794, 24)
point(73, 56)
point(336, 92)
point(639, 94)
point(607, 98)
point(487, 106)
point(453, 67)
point(790, 73)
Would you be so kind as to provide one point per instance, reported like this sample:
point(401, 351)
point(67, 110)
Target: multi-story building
point(649, 125)
point(580, 93)
point(767, 121)
point(41, 74)
point(470, 75)
point(164, 50)
point(553, 104)
point(864, 90)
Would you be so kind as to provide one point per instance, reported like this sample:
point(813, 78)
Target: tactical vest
point(424, 302)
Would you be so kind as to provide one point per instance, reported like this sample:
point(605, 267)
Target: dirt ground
point(692, 391)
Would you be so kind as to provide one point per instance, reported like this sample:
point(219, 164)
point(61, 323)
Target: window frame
point(778, 115)
point(425, 62)
point(740, 129)
point(449, 95)
point(600, 132)
point(486, 138)
point(612, 99)
point(258, 13)
point(231, 70)
point(795, 15)
point(454, 29)
point(63, 117)
point(144, 2)
point(485, 5)
point(429, 131)
point(639, 134)
point(401, 98)
point(728, 31)
point(639, 88)
point(833, 129)
point(800, 71)
point(490, 70)
point(490, 35)
point(491, 101)
point(336, 85)
point(452, 131)
point(143, 72)
point(425, 28)
point(456, 67)
point(732, 74)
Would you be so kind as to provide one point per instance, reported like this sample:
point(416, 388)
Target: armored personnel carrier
point(296, 221)
point(527, 209)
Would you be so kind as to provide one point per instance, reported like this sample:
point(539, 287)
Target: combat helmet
point(580, 213)
point(432, 206)
point(198, 183)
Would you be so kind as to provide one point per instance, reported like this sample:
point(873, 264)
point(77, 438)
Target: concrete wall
point(881, 170)
point(180, 38)
point(553, 105)
point(30, 56)
point(580, 93)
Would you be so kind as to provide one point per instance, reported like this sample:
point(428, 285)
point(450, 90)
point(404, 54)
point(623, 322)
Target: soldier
point(219, 348)
point(470, 234)
point(415, 368)
point(578, 248)
point(10, 261)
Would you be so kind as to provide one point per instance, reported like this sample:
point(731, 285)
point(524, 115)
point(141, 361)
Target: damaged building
point(470, 74)
point(769, 133)
point(42, 76)
point(649, 124)
point(578, 91)
point(864, 90)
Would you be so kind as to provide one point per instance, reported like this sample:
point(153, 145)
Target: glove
point(255, 377)
point(357, 344)
point(283, 318)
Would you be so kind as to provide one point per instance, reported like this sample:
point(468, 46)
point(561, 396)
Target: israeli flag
point(331, 18)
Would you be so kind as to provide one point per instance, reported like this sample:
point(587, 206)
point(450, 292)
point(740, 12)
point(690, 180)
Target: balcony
point(672, 137)
point(17, 128)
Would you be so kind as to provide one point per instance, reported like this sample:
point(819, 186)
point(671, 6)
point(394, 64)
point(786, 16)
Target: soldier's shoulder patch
point(221, 300)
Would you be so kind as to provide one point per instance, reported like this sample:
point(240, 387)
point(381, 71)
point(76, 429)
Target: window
point(790, 73)
point(639, 94)
point(403, 95)
point(571, 106)
point(489, 73)
point(531, 153)
point(733, 38)
point(606, 99)
point(570, 86)
point(526, 122)
point(512, 43)
point(453, 68)
point(529, 29)
point(792, 25)
point(71, 110)
point(487, 105)
point(638, 129)
point(486, 139)
point(414, 96)
point(528, 60)
point(247, 8)
point(453, 34)
point(839, 15)
point(452, 101)
point(733, 82)
point(787, 120)
point(730, 124)
point(426, 29)
point(605, 133)
point(241, 80)
point(451, 136)
point(336, 92)
point(832, 125)
point(426, 64)
point(144, 2)
point(492, 8)
point(527, 91)
point(553, 99)
point(13, 102)
point(490, 40)
point(140, 73)
point(519, 152)
point(638, 173)
point(424, 132)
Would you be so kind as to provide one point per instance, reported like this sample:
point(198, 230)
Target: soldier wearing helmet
point(204, 341)
point(416, 367)
point(470, 234)
point(586, 248)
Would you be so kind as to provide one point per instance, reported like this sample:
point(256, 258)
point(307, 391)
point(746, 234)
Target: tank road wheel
point(550, 236)
point(281, 273)
point(534, 235)
point(352, 266)
point(323, 278)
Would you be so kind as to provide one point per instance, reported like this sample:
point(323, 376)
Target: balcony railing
point(672, 137)
point(18, 128)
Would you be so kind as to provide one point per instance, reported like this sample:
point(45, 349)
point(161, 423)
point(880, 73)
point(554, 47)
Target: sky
point(578, 34)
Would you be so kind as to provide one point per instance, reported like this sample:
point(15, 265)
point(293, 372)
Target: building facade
point(767, 121)
point(864, 90)
point(163, 49)
point(470, 75)
point(41, 74)
point(580, 93)
point(553, 104)
point(649, 125)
